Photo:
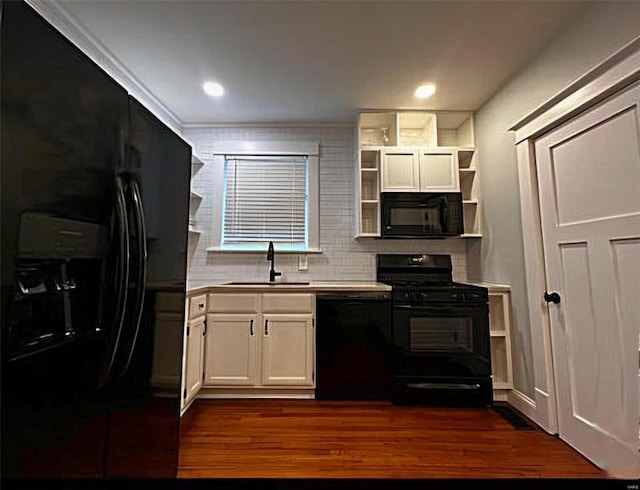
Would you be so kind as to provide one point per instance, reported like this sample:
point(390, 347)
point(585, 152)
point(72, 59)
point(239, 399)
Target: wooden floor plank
point(319, 439)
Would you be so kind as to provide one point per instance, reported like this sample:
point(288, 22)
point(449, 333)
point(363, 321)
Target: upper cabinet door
point(438, 171)
point(400, 171)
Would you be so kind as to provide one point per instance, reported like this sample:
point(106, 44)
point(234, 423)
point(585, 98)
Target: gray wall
point(603, 29)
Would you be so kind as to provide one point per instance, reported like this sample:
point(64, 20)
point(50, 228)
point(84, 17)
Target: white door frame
point(616, 72)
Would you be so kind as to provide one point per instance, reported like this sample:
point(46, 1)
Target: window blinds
point(265, 200)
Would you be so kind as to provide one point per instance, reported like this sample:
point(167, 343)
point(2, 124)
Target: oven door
point(444, 340)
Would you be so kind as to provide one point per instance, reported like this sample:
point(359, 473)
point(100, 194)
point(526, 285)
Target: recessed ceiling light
point(213, 89)
point(425, 91)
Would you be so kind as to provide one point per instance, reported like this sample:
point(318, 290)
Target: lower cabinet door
point(230, 352)
point(194, 358)
point(287, 350)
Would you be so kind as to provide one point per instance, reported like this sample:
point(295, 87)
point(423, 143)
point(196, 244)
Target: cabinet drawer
point(197, 306)
point(233, 303)
point(287, 303)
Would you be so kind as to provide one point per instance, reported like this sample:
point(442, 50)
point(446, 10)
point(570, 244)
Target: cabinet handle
point(200, 305)
point(251, 327)
point(266, 327)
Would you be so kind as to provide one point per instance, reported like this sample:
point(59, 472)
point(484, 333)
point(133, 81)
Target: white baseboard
point(501, 395)
point(288, 396)
point(522, 403)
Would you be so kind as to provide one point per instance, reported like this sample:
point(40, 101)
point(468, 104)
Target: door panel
point(438, 172)
point(400, 171)
point(230, 356)
point(589, 178)
point(608, 186)
point(195, 357)
point(287, 350)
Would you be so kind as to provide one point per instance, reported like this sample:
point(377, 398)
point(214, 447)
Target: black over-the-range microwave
point(421, 214)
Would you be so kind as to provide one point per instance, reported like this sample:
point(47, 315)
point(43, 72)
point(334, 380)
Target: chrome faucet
point(271, 256)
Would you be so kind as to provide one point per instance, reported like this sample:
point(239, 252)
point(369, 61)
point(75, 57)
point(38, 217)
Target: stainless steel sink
point(265, 283)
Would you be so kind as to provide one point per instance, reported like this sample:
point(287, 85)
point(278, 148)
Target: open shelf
point(471, 219)
point(499, 360)
point(369, 187)
point(379, 129)
point(369, 159)
point(468, 184)
point(369, 219)
point(497, 312)
point(466, 159)
point(196, 164)
point(455, 129)
point(500, 332)
point(417, 129)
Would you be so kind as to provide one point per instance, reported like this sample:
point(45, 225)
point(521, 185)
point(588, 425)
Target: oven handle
point(444, 221)
point(449, 306)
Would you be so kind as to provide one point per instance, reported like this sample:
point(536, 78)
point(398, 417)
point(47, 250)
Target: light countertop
point(313, 286)
point(494, 288)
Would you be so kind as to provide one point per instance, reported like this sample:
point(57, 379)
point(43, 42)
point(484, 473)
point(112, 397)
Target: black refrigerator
point(94, 210)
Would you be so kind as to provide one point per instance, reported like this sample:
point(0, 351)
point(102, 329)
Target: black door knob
point(552, 298)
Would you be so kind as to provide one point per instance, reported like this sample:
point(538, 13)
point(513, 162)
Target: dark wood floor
point(311, 439)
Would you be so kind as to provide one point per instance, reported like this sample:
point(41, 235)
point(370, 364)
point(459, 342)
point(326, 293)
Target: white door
point(194, 358)
point(400, 172)
point(589, 180)
point(287, 350)
point(438, 171)
point(230, 352)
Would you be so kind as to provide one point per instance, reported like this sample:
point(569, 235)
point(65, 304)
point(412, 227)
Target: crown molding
point(65, 22)
point(616, 71)
point(267, 125)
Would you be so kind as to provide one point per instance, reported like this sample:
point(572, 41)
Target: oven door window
point(422, 219)
point(440, 334)
point(454, 329)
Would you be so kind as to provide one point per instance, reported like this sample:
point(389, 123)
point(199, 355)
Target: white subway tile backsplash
point(342, 257)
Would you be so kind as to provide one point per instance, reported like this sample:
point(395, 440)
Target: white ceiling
point(320, 61)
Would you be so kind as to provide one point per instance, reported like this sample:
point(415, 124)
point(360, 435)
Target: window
point(267, 195)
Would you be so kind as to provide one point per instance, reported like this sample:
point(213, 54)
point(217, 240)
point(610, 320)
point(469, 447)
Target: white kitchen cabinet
point(415, 151)
point(420, 170)
point(367, 203)
point(287, 350)
point(271, 347)
point(195, 199)
point(438, 171)
point(193, 359)
point(500, 332)
point(400, 170)
point(231, 347)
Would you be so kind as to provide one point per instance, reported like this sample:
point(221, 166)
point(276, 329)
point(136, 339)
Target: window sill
point(218, 250)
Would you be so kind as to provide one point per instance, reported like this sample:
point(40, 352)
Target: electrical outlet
point(303, 265)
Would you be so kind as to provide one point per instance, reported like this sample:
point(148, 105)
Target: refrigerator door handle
point(141, 279)
point(123, 274)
